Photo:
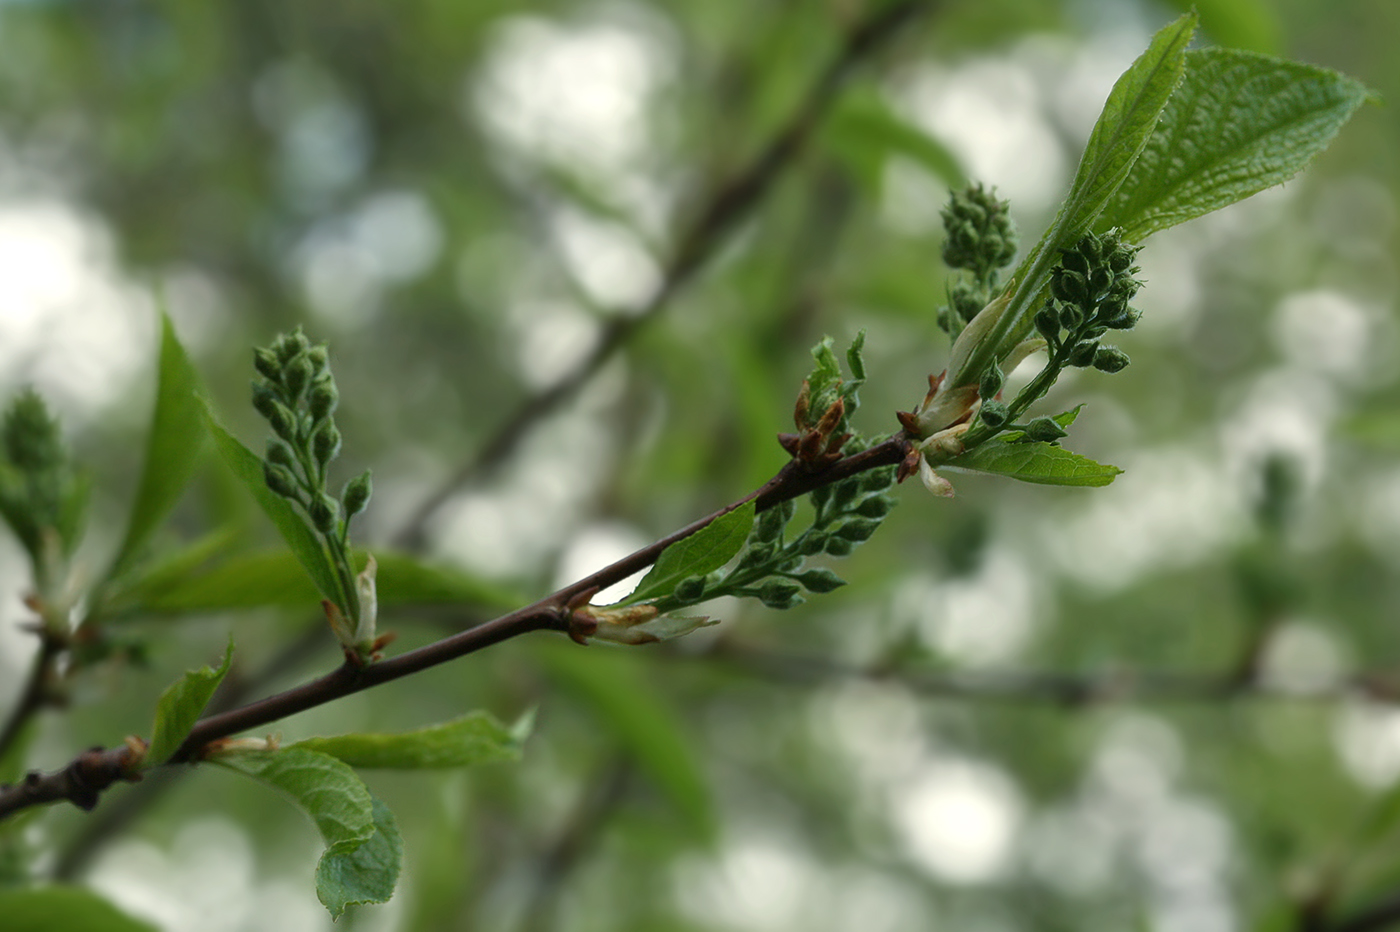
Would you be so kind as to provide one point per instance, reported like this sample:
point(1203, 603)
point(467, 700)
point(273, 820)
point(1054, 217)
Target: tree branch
point(727, 206)
point(84, 780)
point(37, 691)
point(1068, 690)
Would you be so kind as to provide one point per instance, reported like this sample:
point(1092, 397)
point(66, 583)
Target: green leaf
point(1064, 419)
point(1240, 122)
point(864, 133)
point(1129, 116)
point(173, 448)
point(1041, 463)
point(364, 851)
point(327, 789)
point(706, 550)
point(609, 686)
point(475, 738)
point(1240, 24)
point(277, 578)
point(63, 908)
point(247, 466)
point(180, 707)
point(350, 874)
point(1128, 119)
point(406, 580)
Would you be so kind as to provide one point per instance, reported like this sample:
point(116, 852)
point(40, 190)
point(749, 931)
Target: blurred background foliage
point(1163, 705)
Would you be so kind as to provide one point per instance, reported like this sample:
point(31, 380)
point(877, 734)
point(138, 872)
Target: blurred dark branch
point(1068, 690)
point(726, 207)
point(38, 688)
point(596, 805)
point(1384, 914)
point(93, 772)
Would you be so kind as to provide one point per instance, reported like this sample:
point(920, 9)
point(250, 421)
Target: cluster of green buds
point(772, 566)
point(1089, 294)
point(980, 239)
point(42, 498)
point(297, 396)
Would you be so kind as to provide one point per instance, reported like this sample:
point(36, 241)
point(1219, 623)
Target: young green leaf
point(1128, 119)
point(353, 873)
point(327, 789)
point(1239, 123)
point(248, 467)
point(63, 908)
point(364, 851)
point(1129, 116)
point(177, 436)
point(475, 738)
point(1064, 419)
point(865, 132)
point(277, 578)
point(1042, 463)
point(180, 706)
point(706, 550)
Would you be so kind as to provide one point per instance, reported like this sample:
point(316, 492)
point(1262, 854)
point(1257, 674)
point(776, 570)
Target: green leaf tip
point(172, 448)
point(1035, 461)
point(364, 851)
point(703, 552)
point(1239, 123)
point(180, 706)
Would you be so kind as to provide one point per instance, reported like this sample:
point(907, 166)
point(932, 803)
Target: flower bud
point(264, 399)
point(323, 512)
point(279, 453)
point(780, 593)
point(323, 399)
point(757, 553)
point(875, 507)
point(265, 361)
point(966, 301)
point(1070, 317)
point(1068, 286)
point(858, 529)
point(820, 580)
point(1045, 429)
point(282, 421)
point(296, 375)
point(991, 382)
point(839, 546)
point(319, 357)
point(356, 494)
point(994, 413)
point(1110, 359)
point(289, 345)
point(690, 589)
point(325, 443)
point(1047, 322)
point(279, 479)
point(812, 543)
point(769, 525)
point(1100, 280)
point(1124, 321)
point(1083, 353)
point(877, 480)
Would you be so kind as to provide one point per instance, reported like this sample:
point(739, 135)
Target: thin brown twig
point(92, 773)
point(596, 805)
point(726, 207)
point(38, 689)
